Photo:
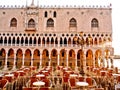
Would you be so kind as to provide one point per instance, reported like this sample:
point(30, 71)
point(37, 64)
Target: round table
point(40, 75)
point(82, 85)
point(39, 84)
point(9, 75)
point(73, 75)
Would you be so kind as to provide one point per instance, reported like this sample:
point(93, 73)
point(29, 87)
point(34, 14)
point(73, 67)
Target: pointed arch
point(63, 57)
point(18, 40)
point(27, 57)
point(31, 23)
point(36, 58)
point(98, 55)
point(69, 41)
point(13, 22)
point(54, 57)
point(45, 57)
point(72, 22)
point(2, 57)
point(5, 40)
point(89, 57)
point(9, 40)
point(65, 41)
point(50, 22)
point(71, 58)
point(80, 57)
point(52, 40)
point(19, 58)
point(39, 41)
point(1, 40)
point(94, 23)
point(10, 57)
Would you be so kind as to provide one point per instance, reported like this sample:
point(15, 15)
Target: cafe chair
point(47, 82)
point(3, 83)
point(30, 88)
point(27, 88)
point(65, 82)
point(99, 88)
point(31, 81)
point(44, 88)
point(81, 78)
point(91, 82)
point(72, 84)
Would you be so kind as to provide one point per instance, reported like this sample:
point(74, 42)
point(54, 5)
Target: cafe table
point(9, 75)
point(39, 84)
point(82, 85)
point(73, 75)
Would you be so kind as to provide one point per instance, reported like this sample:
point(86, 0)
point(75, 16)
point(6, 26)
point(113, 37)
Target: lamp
point(81, 42)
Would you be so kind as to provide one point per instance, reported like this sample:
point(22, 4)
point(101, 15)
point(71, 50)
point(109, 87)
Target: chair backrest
point(27, 88)
point(89, 80)
point(81, 79)
point(9, 78)
point(3, 83)
point(65, 79)
point(72, 82)
point(47, 82)
point(44, 88)
point(32, 80)
point(99, 88)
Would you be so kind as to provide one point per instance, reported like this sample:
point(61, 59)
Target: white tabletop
point(68, 71)
point(82, 83)
point(9, 75)
point(73, 75)
point(39, 83)
point(44, 71)
point(115, 74)
point(40, 75)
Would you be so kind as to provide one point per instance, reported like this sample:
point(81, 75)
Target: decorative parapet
point(58, 6)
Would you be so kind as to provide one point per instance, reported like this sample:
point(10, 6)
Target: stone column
point(58, 61)
point(6, 59)
point(58, 41)
point(67, 59)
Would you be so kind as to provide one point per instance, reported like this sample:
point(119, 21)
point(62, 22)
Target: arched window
point(73, 22)
point(50, 23)
point(45, 14)
point(13, 22)
point(94, 23)
point(31, 23)
point(54, 14)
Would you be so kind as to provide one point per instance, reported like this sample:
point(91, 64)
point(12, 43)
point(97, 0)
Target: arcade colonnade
point(43, 49)
point(75, 58)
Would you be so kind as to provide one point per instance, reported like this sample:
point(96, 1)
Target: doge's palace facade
point(71, 36)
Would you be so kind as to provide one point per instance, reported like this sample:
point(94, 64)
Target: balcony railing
point(53, 45)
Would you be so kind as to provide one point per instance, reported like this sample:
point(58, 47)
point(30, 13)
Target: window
point(50, 23)
point(13, 23)
point(73, 22)
point(45, 14)
point(94, 23)
point(31, 23)
point(54, 14)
